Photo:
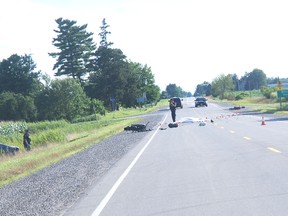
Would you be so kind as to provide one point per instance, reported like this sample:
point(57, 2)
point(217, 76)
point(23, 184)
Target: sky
point(185, 42)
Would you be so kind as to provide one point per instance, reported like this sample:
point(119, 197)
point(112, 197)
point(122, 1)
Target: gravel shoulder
point(53, 189)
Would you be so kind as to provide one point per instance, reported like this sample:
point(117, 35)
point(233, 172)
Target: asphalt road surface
point(235, 165)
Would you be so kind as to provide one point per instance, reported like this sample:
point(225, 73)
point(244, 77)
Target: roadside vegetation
point(257, 101)
point(53, 141)
point(264, 105)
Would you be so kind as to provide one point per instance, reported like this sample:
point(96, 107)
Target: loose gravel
point(50, 191)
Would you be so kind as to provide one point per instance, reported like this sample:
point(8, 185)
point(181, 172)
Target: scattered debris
point(237, 107)
point(172, 125)
point(137, 128)
point(8, 149)
point(202, 124)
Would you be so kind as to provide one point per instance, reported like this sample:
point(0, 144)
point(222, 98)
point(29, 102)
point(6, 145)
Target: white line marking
point(108, 196)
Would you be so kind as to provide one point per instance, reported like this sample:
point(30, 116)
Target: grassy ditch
point(24, 163)
point(264, 105)
point(261, 104)
point(57, 140)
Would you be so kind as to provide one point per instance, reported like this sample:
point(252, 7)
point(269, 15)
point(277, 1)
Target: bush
point(267, 91)
point(97, 106)
point(229, 96)
point(241, 96)
point(17, 107)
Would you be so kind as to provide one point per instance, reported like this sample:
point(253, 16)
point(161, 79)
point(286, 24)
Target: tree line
point(89, 79)
point(254, 80)
point(172, 90)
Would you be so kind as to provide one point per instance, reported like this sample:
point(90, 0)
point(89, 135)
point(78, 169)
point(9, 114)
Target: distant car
point(201, 101)
point(178, 102)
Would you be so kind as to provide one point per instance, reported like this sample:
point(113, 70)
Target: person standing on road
point(172, 106)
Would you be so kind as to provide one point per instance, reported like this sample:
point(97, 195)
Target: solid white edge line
point(108, 196)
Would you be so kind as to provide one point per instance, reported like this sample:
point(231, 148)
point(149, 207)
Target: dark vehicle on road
point(178, 102)
point(201, 101)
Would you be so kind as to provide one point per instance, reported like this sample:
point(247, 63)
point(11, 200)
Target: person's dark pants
point(27, 147)
point(173, 114)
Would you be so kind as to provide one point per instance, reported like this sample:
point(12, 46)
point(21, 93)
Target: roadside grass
point(15, 167)
point(262, 104)
point(57, 140)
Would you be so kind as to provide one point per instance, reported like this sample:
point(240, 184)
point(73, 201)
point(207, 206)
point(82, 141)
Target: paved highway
point(236, 165)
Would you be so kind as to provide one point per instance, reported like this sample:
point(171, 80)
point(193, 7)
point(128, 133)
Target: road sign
point(279, 85)
point(140, 100)
point(282, 93)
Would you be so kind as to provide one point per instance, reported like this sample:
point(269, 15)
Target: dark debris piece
point(137, 128)
point(8, 149)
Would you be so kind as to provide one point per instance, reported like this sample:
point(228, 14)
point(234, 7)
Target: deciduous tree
point(64, 99)
point(255, 80)
point(17, 107)
point(203, 89)
point(173, 90)
point(108, 80)
point(18, 74)
point(221, 84)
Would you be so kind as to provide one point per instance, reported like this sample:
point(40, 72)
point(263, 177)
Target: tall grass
point(52, 149)
point(46, 125)
point(53, 141)
point(256, 101)
point(42, 133)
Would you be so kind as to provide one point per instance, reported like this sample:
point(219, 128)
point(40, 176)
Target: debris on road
point(237, 107)
point(137, 128)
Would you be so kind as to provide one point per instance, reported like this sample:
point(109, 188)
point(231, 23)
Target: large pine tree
point(76, 48)
point(103, 34)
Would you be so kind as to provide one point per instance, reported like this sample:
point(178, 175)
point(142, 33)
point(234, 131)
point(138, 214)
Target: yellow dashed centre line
point(248, 138)
point(274, 150)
